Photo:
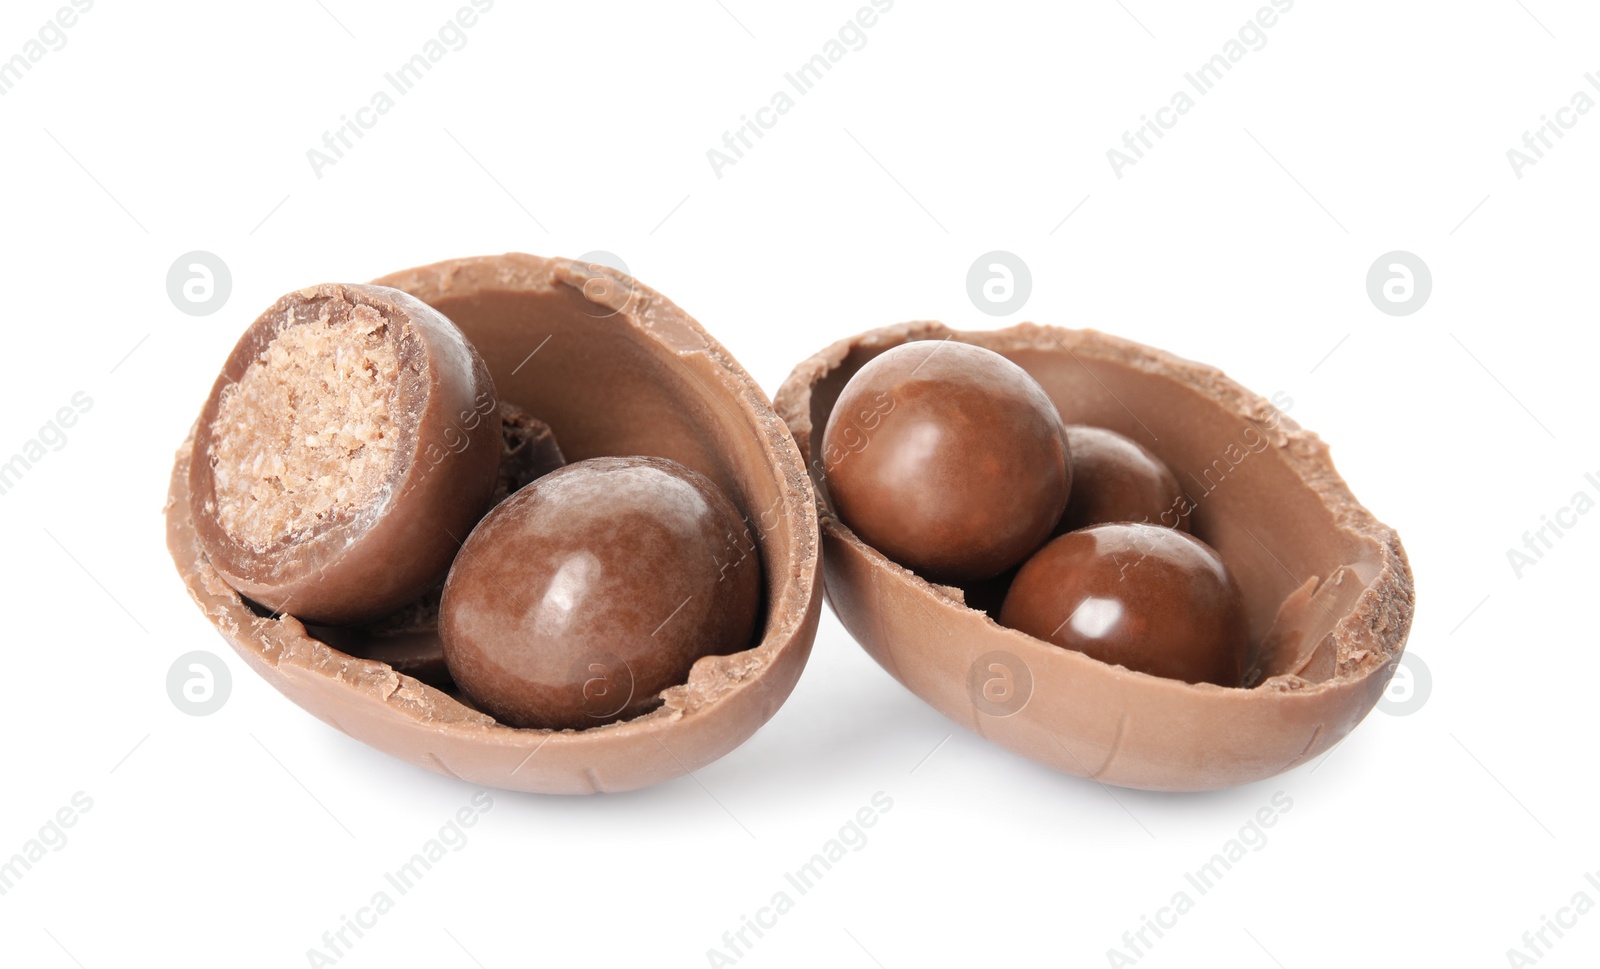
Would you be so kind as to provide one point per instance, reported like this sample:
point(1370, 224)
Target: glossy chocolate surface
point(1116, 479)
point(948, 458)
point(361, 565)
point(1145, 597)
point(587, 593)
point(408, 638)
point(622, 370)
point(1328, 592)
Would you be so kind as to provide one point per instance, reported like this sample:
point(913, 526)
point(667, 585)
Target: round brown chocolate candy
point(1327, 586)
point(1146, 597)
point(1115, 479)
point(347, 447)
point(584, 595)
point(948, 458)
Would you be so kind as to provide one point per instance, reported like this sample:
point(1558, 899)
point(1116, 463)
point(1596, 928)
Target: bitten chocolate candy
point(948, 458)
point(584, 595)
point(1142, 596)
point(347, 447)
point(614, 367)
point(1115, 479)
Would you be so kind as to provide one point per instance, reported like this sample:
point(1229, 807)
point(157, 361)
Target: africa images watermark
point(402, 81)
point(1553, 528)
point(1202, 80)
point(450, 838)
point(1537, 943)
point(854, 432)
point(1538, 141)
point(51, 837)
point(1211, 477)
point(1251, 838)
point(52, 436)
point(851, 37)
point(851, 837)
point(51, 38)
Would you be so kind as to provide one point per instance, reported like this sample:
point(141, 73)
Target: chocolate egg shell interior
point(1327, 588)
point(615, 369)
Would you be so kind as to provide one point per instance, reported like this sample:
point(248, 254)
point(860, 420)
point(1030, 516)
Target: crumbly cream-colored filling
point(305, 437)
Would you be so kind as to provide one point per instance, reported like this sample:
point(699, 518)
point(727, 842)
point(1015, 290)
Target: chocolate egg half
point(1327, 590)
point(615, 369)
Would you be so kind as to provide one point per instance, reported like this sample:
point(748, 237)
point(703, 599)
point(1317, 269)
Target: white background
point(1242, 240)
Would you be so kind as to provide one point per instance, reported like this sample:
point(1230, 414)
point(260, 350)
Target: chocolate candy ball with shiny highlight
point(948, 458)
point(1150, 598)
point(1115, 479)
point(584, 595)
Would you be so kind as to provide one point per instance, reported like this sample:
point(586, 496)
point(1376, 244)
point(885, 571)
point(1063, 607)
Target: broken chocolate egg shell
point(1327, 589)
point(624, 372)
